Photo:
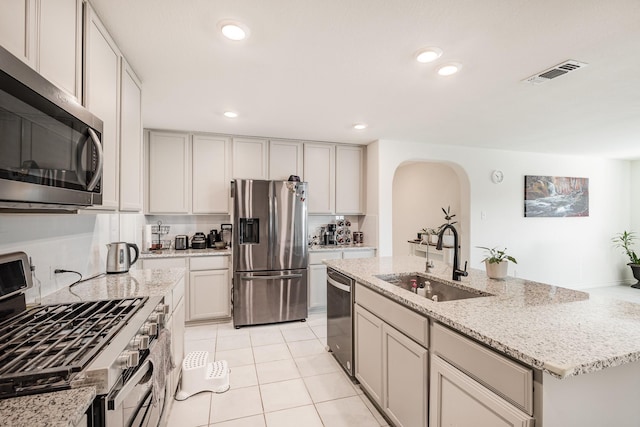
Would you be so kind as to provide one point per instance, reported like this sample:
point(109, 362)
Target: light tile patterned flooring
point(281, 376)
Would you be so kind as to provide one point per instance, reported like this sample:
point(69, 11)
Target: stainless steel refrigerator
point(270, 251)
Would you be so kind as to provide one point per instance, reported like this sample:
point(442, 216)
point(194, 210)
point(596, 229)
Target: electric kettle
point(119, 256)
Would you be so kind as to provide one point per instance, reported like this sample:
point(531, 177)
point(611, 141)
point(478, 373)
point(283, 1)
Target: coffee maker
point(329, 237)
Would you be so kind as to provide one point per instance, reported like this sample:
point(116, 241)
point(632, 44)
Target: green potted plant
point(625, 240)
point(497, 262)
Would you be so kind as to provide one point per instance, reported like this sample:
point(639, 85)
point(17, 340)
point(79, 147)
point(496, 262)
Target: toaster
point(182, 242)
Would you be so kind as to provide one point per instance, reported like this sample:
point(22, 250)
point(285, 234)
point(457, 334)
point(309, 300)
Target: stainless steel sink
point(435, 290)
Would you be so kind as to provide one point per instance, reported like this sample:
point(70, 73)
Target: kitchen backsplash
point(66, 241)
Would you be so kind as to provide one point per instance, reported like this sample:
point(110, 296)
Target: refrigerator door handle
point(288, 276)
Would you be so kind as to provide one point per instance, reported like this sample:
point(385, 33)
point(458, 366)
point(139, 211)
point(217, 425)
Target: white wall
point(571, 252)
point(635, 197)
point(420, 191)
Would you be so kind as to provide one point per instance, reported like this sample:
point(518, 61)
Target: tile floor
point(281, 376)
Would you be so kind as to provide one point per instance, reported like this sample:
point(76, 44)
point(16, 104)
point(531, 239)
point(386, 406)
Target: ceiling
point(311, 69)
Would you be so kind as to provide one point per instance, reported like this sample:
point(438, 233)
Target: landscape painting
point(555, 196)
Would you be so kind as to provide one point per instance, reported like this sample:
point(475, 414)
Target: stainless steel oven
point(50, 145)
point(340, 318)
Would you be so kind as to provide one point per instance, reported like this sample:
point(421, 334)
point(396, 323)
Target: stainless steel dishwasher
point(340, 318)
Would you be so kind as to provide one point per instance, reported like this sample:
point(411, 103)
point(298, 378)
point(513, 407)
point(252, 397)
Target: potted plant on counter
point(625, 241)
point(447, 240)
point(497, 262)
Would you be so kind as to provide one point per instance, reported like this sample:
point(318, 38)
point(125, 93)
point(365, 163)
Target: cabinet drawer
point(317, 257)
point(173, 262)
point(366, 253)
point(208, 263)
point(410, 323)
point(507, 378)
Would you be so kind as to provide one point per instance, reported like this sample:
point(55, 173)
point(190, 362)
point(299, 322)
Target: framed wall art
point(555, 196)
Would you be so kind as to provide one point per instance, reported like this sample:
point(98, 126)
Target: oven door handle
point(117, 396)
point(340, 286)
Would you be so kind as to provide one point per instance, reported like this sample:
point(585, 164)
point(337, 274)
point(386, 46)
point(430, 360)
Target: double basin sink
point(434, 289)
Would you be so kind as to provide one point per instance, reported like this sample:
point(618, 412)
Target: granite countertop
point(135, 283)
point(560, 331)
point(58, 409)
point(320, 248)
point(172, 253)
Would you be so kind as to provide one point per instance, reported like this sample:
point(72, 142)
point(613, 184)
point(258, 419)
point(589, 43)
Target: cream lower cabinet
point(175, 324)
point(457, 400)
point(209, 289)
point(492, 389)
point(318, 273)
point(392, 369)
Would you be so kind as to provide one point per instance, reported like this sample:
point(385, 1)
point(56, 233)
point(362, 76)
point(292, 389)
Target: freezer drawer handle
point(289, 276)
point(340, 286)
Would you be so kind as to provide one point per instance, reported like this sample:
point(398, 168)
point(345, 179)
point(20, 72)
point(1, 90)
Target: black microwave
point(50, 145)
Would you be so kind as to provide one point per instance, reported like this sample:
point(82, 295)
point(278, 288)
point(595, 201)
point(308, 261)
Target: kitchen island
point(67, 408)
point(583, 350)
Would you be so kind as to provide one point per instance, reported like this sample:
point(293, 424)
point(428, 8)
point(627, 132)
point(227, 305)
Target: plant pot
point(448, 240)
point(498, 270)
point(635, 268)
point(433, 239)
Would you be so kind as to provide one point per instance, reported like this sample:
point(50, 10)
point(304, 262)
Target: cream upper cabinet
point(47, 35)
point(285, 159)
point(319, 172)
point(60, 44)
point(101, 97)
point(130, 140)
point(18, 28)
point(250, 158)
point(168, 172)
point(211, 175)
point(349, 179)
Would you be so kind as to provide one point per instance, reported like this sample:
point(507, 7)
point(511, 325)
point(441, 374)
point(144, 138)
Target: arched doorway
point(420, 190)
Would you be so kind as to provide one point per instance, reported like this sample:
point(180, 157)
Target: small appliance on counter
point(212, 238)
point(330, 235)
point(358, 238)
point(182, 242)
point(225, 234)
point(199, 241)
point(119, 256)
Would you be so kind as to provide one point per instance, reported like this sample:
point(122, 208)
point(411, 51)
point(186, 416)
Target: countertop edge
point(556, 370)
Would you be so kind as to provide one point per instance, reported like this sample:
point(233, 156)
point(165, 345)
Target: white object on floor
point(199, 375)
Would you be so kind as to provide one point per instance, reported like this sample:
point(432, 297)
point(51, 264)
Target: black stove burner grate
point(41, 348)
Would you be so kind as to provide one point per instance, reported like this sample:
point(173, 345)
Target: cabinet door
point(452, 390)
point(250, 158)
point(101, 97)
point(405, 379)
point(368, 352)
point(349, 180)
point(168, 168)
point(285, 159)
point(210, 174)
point(60, 44)
point(319, 172)
point(317, 287)
point(18, 29)
point(209, 295)
point(177, 343)
point(130, 141)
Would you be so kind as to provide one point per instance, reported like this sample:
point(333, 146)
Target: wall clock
point(497, 176)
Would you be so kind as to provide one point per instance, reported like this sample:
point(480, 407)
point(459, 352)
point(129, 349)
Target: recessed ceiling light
point(449, 69)
point(234, 30)
point(360, 126)
point(230, 114)
point(428, 54)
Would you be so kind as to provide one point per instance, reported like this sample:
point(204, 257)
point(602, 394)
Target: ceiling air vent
point(553, 72)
